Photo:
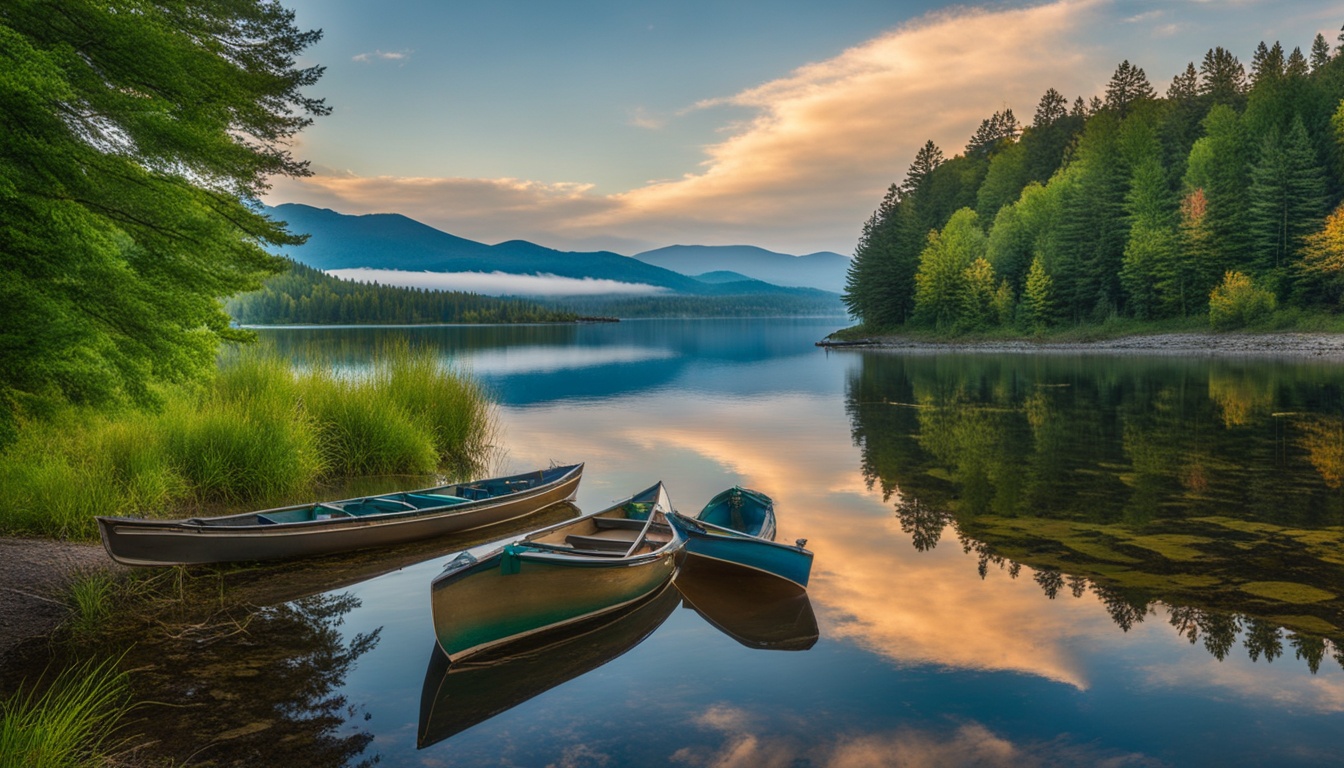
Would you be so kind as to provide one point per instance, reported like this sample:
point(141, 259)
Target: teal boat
point(737, 527)
point(457, 696)
point(324, 528)
point(556, 576)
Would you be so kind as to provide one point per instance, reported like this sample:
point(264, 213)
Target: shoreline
point(34, 574)
point(1311, 346)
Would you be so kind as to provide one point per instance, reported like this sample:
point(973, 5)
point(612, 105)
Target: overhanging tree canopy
point(135, 137)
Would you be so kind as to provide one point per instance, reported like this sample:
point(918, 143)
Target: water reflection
point(1211, 487)
point(760, 612)
point(458, 696)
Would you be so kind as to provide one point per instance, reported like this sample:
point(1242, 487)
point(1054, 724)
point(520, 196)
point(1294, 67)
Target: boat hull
point(494, 602)
point(556, 577)
point(780, 560)
point(134, 541)
point(457, 696)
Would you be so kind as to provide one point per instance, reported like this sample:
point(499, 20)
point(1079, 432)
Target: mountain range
point(397, 242)
point(824, 269)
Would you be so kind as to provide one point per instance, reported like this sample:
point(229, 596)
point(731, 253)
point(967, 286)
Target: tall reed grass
point(260, 432)
point(70, 724)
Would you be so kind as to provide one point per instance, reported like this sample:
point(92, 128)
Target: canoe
point(457, 696)
point(738, 527)
point(556, 576)
point(338, 526)
point(759, 611)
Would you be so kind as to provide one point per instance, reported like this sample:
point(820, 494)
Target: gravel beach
point(33, 575)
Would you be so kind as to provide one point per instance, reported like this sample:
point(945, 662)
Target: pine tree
point(1287, 200)
point(1196, 268)
point(1150, 251)
point(1093, 230)
point(928, 158)
point(998, 127)
point(1222, 78)
point(1128, 85)
point(1218, 166)
point(1320, 52)
point(1185, 86)
point(1296, 66)
point(1052, 106)
point(1079, 108)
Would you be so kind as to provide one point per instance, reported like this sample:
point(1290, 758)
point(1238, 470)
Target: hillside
point(824, 270)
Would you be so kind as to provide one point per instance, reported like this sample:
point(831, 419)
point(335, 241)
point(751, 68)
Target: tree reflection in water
point(1211, 488)
point(262, 694)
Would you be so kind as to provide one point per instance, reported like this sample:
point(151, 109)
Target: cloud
point(804, 170)
point(495, 283)
point(375, 56)
point(641, 118)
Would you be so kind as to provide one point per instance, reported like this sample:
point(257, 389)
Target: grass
point(90, 596)
point(70, 724)
point(260, 432)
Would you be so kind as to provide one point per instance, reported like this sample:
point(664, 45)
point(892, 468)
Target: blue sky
point(634, 125)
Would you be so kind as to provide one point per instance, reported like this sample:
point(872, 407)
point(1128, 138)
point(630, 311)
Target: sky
point(633, 125)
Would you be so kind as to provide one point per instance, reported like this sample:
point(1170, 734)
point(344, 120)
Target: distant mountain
point(825, 269)
point(393, 241)
point(721, 276)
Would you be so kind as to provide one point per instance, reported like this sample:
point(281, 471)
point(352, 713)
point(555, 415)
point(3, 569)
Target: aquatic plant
point(70, 724)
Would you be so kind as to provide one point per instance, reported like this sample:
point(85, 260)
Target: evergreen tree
point(1267, 65)
point(1093, 230)
point(1287, 201)
point(1222, 78)
point(1001, 126)
point(928, 158)
point(1079, 108)
point(1151, 251)
point(1218, 166)
point(137, 137)
point(1185, 86)
point(1004, 182)
point(1196, 268)
point(1320, 52)
point(1296, 65)
point(1052, 106)
point(1128, 85)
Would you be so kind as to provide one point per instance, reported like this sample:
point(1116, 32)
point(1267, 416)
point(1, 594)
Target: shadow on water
point(1211, 487)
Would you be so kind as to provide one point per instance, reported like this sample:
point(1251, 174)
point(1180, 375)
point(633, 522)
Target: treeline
point(308, 296)
point(1215, 198)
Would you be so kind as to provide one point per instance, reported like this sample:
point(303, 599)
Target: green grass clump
point(260, 432)
point(70, 724)
point(89, 596)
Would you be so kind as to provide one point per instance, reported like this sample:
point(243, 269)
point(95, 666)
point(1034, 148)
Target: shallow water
point(1057, 560)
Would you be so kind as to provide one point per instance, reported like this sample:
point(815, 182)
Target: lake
point(1020, 560)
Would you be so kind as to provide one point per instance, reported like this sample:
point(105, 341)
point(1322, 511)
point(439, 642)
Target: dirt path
point(33, 575)
point(1323, 346)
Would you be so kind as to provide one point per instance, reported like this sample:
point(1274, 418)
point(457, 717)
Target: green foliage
point(1237, 302)
point(940, 283)
point(260, 432)
point(89, 596)
point(1038, 297)
point(308, 296)
point(68, 725)
point(137, 137)
point(1135, 206)
point(978, 295)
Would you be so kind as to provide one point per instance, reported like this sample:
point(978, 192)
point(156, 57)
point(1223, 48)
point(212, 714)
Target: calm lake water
point(1020, 560)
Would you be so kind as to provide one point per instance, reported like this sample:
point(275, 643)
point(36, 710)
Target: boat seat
point(598, 543)
point(625, 523)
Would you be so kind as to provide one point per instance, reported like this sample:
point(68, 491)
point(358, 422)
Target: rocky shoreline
point(1323, 346)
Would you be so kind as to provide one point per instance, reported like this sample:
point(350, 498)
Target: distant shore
point(1324, 346)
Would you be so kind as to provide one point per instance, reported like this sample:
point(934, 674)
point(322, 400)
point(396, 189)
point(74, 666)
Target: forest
point(309, 296)
point(1220, 198)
